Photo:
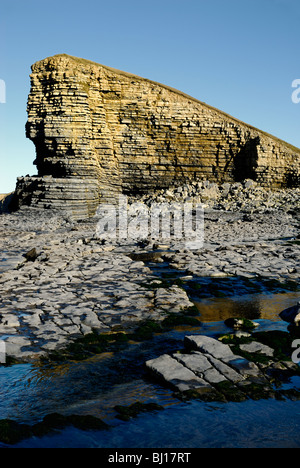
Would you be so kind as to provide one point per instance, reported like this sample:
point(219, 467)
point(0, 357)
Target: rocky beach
point(59, 281)
point(61, 285)
point(150, 228)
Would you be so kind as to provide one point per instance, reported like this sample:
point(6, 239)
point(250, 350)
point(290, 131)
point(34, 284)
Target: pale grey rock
point(225, 370)
point(201, 366)
point(214, 364)
point(15, 346)
point(213, 376)
point(174, 373)
point(91, 320)
point(208, 345)
point(32, 320)
point(196, 361)
point(243, 366)
point(256, 347)
point(10, 320)
point(67, 280)
point(71, 329)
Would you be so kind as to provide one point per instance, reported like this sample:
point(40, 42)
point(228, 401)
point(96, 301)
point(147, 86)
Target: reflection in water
point(249, 424)
point(28, 392)
point(258, 306)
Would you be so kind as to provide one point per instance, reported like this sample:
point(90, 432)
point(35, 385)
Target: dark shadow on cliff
point(245, 162)
point(8, 203)
point(292, 179)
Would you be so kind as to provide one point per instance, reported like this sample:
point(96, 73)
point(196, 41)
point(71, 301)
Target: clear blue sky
point(240, 56)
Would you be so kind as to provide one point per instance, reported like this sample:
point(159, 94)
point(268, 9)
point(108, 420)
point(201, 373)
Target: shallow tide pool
point(29, 392)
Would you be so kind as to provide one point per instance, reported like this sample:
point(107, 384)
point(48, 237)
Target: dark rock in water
point(240, 323)
point(127, 412)
point(84, 422)
point(31, 256)
point(291, 315)
point(12, 432)
point(248, 217)
point(146, 256)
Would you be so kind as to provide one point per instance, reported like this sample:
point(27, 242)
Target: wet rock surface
point(59, 281)
point(292, 314)
point(67, 296)
point(209, 370)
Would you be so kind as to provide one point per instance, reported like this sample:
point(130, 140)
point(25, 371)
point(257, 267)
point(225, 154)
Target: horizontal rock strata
point(100, 131)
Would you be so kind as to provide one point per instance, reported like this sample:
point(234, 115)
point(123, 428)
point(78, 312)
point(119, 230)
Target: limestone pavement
point(73, 282)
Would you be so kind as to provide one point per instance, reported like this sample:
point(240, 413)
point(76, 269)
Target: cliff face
point(100, 131)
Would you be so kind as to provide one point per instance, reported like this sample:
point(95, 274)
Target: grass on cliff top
point(179, 93)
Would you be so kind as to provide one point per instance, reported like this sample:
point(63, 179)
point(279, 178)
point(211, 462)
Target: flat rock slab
point(175, 373)
point(209, 365)
point(255, 347)
point(216, 350)
point(201, 366)
point(208, 345)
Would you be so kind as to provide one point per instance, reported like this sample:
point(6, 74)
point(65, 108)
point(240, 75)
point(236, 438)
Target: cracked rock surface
point(208, 369)
point(75, 284)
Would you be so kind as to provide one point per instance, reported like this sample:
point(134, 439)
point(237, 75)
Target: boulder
point(208, 345)
point(291, 314)
point(210, 371)
point(175, 374)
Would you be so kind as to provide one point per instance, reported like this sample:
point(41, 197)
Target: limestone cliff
point(100, 131)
